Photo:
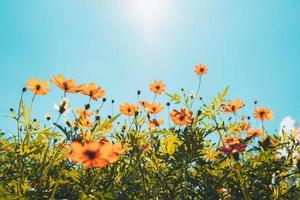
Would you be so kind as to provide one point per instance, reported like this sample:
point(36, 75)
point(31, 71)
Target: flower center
point(38, 87)
point(91, 154)
point(66, 87)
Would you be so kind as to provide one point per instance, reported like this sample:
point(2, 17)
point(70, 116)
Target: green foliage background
point(33, 162)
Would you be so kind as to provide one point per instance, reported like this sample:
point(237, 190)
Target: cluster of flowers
point(91, 153)
point(100, 153)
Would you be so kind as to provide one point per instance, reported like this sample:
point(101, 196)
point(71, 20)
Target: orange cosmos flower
point(154, 108)
point(230, 141)
point(91, 154)
point(84, 112)
point(255, 132)
point(38, 87)
point(116, 149)
point(182, 117)
point(128, 109)
point(92, 90)
point(233, 147)
point(200, 70)
point(66, 85)
point(233, 107)
point(157, 87)
point(155, 123)
point(144, 104)
point(263, 114)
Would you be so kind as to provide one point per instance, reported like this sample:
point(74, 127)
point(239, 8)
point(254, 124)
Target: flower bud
point(87, 106)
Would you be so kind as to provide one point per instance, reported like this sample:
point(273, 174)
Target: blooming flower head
point(200, 70)
point(233, 106)
point(254, 133)
point(38, 87)
point(182, 117)
point(68, 86)
point(155, 123)
point(144, 104)
point(84, 112)
point(263, 114)
point(230, 141)
point(244, 126)
point(63, 107)
point(233, 147)
point(93, 91)
point(128, 109)
point(154, 108)
point(91, 154)
point(157, 87)
point(117, 150)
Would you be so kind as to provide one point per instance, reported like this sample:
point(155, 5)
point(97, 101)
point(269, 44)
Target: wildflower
point(233, 107)
point(154, 108)
point(230, 141)
point(263, 114)
point(63, 107)
point(254, 133)
point(232, 146)
point(84, 112)
point(244, 126)
point(182, 117)
point(157, 87)
point(117, 150)
point(155, 123)
point(93, 91)
point(38, 87)
point(144, 104)
point(68, 86)
point(200, 70)
point(91, 154)
point(48, 117)
point(128, 109)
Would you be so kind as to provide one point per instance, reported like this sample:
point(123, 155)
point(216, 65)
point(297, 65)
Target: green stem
point(241, 182)
point(198, 89)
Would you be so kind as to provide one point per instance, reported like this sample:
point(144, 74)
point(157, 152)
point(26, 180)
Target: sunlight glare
point(148, 14)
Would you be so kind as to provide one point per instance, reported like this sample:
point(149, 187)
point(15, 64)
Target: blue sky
point(252, 46)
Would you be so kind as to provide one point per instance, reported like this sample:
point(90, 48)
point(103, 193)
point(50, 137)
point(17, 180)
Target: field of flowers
point(201, 150)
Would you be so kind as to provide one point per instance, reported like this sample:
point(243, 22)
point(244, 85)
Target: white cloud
point(287, 124)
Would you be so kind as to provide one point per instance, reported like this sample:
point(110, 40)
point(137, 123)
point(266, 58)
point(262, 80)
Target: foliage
point(192, 161)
